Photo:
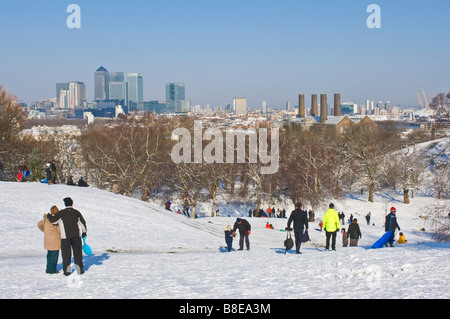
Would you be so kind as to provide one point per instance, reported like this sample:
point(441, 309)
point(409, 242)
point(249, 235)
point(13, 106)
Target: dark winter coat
point(71, 222)
point(300, 219)
point(243, 225)
point(353, 231)
point(391, 223)
point(228, 235)
point(49, 173)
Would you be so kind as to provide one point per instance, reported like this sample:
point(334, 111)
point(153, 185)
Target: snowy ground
point(143, 251)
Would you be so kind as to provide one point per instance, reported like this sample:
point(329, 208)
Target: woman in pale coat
point(52, 241)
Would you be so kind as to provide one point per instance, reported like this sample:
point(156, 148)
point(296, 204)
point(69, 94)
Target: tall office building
point(101, 84)
point(117, 87)
point(77, 94)
point(135, 87)
point(61, 87)
point(264, 107)
point(240, 106)
point(176, 98)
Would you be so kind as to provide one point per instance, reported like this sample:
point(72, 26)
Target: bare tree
point(441, 104)
point(369, 147)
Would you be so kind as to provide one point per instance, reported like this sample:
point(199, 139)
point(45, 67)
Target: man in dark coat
point(354, 232)
point(300, 219)
point(73, 226)
point(391, 224)
point(244, 231)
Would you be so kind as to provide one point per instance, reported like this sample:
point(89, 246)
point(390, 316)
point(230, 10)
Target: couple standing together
point(300, 219)
point(63, 231)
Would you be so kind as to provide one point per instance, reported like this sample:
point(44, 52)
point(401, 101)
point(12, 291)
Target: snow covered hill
point(144, 251)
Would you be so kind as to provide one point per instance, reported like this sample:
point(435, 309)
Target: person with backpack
point(331, 225)
point(391, 224)
point(300, 219)
point(244, 232)
point(73, 227)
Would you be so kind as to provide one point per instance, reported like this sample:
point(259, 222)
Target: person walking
point(331, 225)
point(391, 224)
point(73, 227)
point(52, 241)
point(300, 219)
point(244, 232)
point(354, 233)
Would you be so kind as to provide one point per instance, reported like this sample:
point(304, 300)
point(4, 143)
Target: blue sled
point(86, 248)
point(383, 240)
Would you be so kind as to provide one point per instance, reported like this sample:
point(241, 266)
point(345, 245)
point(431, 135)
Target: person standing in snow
point(344, 238)
point(244, 232)
point(300, 219)
point(52, 241)
point(48, 172)
point(391, 224)
point(229, 238)
point(368, 218)
point(73, 226)
point(186, 207)
point(53, 171)
point(354, 233)
point(331, 225)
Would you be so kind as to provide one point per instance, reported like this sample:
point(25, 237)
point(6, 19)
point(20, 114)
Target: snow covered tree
point(369, 147)
point(441, 104)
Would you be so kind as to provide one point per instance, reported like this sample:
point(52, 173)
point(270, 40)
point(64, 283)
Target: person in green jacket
point(331, 225)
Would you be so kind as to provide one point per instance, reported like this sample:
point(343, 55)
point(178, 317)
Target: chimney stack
point(301, 106)
point(314, 110)
point(337, 104)
point(323, 108)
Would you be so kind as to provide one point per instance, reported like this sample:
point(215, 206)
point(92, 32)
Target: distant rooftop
point(102, 69)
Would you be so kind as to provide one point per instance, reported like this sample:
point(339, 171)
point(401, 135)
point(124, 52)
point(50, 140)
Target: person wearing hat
point(52, 241)
point(73, 227)
point(229, 237)
point(391, 224)
point(244, 231)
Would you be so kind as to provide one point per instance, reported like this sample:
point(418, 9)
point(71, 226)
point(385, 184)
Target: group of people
point(270, 212)
point(185, 207)
point(331, 223)
point(63, 230)
point(81, 182)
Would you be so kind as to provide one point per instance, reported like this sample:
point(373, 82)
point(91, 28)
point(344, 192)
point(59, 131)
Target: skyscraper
point(176, 98)
point(101, 83)
point(117, 87)
point(77, 94)
point(61, 86)
point(240, 106)
point(135, 87)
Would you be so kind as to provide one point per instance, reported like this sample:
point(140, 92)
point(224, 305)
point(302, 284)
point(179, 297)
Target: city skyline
point(262, 50)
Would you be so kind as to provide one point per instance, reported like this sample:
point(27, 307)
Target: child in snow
point(320, 226)
point(401, 239)
point(344, 238)
point(52, 241)
point(229, 237)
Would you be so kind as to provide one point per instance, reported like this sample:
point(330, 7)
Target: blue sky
point(262, 50)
